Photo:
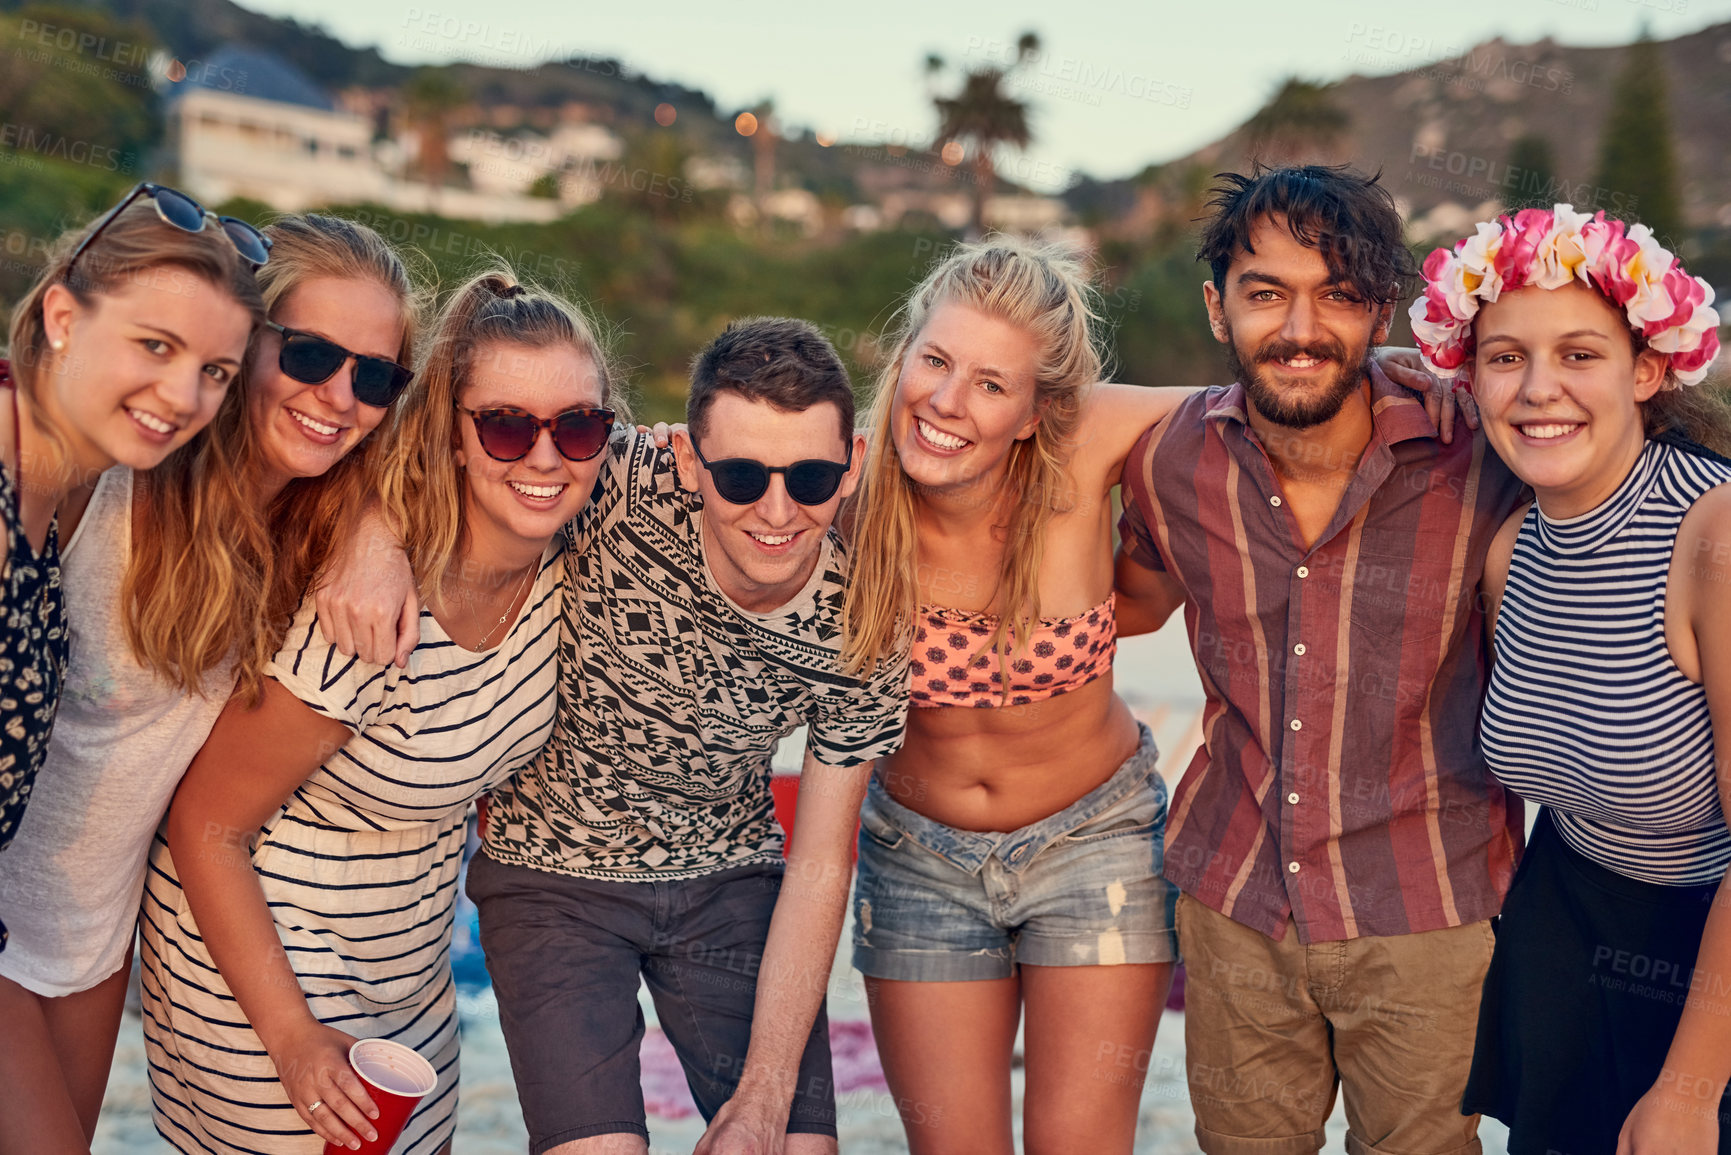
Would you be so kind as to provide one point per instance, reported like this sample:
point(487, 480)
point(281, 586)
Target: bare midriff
point(1000, 769)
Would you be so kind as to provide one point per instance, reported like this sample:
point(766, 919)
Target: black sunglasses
point(313, 360)
point(509, 434)
point(182, 212)
point(741, 481)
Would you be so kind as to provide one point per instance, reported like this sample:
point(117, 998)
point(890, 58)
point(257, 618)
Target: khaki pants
point(1271, 1028)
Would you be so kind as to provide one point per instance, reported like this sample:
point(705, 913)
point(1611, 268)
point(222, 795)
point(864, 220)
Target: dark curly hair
point(1346, 216)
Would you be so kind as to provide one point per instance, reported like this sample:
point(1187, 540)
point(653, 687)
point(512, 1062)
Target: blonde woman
point(1011, 851)
point(304, 893)
point(125, 349)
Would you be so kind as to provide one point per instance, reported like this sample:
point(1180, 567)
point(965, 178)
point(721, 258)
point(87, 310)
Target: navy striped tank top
point(1586, 713)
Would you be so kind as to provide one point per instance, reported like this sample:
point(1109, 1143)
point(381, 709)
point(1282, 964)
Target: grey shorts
point(565, 955)
point(1081, 888)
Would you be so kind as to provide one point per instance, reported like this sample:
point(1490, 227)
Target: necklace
point(527, 574)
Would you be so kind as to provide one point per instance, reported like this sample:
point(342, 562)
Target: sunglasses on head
point(313, 360)
point(509, 434)
point(741, 480)
point(182, 212)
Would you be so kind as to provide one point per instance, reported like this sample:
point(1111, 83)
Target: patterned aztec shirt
point(1341, 779)
point(672, 697)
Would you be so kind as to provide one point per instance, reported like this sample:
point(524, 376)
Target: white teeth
point(1302, 362)
point(150, 421)
point(1548, 432)
point(938, 437)
point(538, 491)
point(318, 427)
point(773, 538)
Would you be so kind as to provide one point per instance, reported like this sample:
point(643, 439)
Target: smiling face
point(1558, 384)
point(515, 507)
point(304, 429)
point(762, 554)
point(1297, 339)
point(143, 367)
point(966, 395)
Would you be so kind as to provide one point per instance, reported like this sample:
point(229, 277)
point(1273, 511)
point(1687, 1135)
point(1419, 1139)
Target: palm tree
point(1300, 119)
point(429, 98)
point(763, 152)
point(983, 116)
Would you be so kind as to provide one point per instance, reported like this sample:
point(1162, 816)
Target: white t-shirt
point(71, 880)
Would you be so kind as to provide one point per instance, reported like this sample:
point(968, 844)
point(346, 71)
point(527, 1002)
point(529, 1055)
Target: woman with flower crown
point(1604, 1024)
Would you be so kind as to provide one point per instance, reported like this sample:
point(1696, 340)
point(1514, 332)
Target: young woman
point(1602, 1026)
point(303, 896)
point(985, 521)
point(124, 350)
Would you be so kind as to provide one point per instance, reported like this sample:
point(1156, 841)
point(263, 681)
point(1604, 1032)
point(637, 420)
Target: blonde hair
point(220, 575)
point(135, 242)
point(417, 479)
point(1044, 289)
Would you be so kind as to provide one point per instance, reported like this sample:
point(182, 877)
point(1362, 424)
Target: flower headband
point(1546, 250)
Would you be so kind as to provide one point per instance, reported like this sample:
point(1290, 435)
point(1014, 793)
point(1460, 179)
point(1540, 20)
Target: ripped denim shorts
point(1080, 888)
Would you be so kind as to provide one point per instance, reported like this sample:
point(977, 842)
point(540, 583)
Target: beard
point(1297, 407)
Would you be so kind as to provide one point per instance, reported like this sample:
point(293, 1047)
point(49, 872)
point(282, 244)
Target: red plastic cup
point(397, 1078)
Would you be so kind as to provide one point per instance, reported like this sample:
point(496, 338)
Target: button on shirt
point(1340, 779)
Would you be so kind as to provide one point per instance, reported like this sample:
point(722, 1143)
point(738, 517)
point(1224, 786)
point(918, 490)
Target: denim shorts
point(1081, 888)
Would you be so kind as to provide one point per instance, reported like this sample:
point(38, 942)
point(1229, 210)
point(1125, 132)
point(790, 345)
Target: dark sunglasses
point(182, 212)
point(509, 434)
point(741, 481)
point(312, 360)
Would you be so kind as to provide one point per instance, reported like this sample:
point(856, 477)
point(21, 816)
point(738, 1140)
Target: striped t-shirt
point(359, 868)
point(1586, 713)
point(672, 696)
point(1340, 780)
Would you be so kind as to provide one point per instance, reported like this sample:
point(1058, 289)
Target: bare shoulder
point(1703, 548)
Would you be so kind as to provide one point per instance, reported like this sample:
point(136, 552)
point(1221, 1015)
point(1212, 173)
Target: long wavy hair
point(1044, 289)
point(131, 246)
point(220, 574)
point(417, 479)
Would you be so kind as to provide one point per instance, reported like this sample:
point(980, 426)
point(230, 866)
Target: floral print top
point(33, 646)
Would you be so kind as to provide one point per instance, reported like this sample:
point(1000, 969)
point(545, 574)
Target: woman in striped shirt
point(304, 893)
point(1602, 1026)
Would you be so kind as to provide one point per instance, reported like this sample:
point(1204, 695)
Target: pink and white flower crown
point(1547, 249)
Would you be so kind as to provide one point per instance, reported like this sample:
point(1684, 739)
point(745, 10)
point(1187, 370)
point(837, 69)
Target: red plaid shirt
point(1340, 780)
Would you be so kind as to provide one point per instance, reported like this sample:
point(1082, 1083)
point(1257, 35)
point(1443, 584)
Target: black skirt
point(1584, 992)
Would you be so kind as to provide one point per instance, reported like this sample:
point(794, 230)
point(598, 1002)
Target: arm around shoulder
point(1116, 416)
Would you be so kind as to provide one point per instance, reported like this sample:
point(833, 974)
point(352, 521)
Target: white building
point(246, 123)
point(501, 163)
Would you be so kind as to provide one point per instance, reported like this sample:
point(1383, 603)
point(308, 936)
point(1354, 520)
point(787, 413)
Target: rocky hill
point(1444, 133)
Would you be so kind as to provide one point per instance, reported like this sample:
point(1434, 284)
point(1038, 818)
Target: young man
point(701, 625)
point(1339, 843)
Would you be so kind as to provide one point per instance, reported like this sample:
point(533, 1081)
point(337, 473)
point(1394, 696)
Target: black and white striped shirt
point(359, 868)
point(1586, 712)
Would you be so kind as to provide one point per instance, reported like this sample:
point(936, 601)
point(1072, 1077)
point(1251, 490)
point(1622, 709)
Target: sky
point(1117, 85)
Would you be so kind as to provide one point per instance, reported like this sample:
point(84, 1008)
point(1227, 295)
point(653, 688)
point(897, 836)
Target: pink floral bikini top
point(949, 666)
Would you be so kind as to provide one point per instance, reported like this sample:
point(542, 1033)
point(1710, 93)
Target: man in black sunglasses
point(702, 625)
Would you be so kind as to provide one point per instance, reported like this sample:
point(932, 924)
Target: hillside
point(1443, 132)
